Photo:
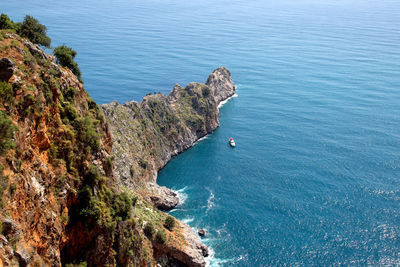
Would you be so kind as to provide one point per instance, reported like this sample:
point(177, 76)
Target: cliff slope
point(78, 186)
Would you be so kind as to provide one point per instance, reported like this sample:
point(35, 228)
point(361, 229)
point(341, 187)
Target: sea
point(314, 179)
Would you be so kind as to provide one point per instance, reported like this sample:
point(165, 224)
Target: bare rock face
point(193, 254)
point(10, 228)
point(6, 69)
point(220, 81)
point(162, 197)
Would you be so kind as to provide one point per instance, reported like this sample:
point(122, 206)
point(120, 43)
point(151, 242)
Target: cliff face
point(57, 132)
point(78, 186)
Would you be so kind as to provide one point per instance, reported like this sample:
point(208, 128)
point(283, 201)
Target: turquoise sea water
point(314, 179)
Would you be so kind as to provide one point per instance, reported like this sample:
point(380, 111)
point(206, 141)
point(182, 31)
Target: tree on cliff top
point(6, 23)
point(65, 57)
point(30, 29)
point(34, 31)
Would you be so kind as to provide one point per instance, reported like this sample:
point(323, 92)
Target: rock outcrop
point(6, 69)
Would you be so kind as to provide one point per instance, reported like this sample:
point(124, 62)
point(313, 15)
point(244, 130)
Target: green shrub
point(65, 57)
point(122, 206)
point(6, 23)
point(69, 94)
point(7, 129)
point(6, 92)
point(161, 237)
point(24, 106)
point(68, 113)
point(134, 200)
point(143, 163)
point(86, 133)
point(205, 91)
point(149, 230)
point(14, 43)
point(169, 223)
point(3, 183)
point(34, 31)
point(92, 176)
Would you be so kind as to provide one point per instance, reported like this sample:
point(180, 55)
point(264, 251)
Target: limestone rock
point(202, 232)
point(6, 69)
point(10, 228)
point(162, 197)
point(220, 81)
point(23, 256)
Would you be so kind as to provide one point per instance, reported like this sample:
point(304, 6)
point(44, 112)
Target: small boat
point(232, 142)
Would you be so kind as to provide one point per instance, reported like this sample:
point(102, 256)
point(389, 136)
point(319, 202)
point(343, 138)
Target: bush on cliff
point(30, 29)
point(7, 129)
point(6, 92)
point(87, 134)
point(161, 237)
point(3, 184)
point(149, 230)
point(169, 223)
point(122, 205)
point(34, 31)
point(6, 23)
point(65, 57)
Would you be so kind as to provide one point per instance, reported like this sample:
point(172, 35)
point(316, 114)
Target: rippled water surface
point(314, 179)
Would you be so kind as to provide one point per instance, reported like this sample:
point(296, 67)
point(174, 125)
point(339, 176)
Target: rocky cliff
point(146, 135)
point(78, 186)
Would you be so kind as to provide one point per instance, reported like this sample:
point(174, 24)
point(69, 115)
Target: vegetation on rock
point(6, 133)
point(65, 57)
point(30, 28)
point(169, 223)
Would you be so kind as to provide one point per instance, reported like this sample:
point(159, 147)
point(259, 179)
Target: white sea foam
point(226, 100)
point(182, 195)
point(210, 200)
point(212, 261)
point(201, 139)
point(187, 220)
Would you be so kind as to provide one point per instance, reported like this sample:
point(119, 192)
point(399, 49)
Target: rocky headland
point(78, 181)
point(147, 135)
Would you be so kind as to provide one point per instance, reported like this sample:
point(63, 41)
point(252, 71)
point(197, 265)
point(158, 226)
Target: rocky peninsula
point(147, 135)
point(78, 181)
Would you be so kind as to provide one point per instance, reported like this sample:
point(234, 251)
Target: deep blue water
point(314, 179)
